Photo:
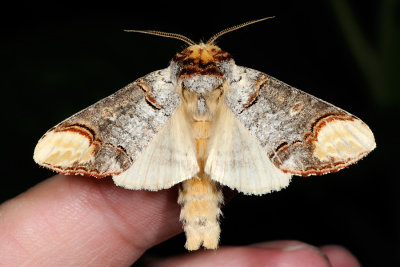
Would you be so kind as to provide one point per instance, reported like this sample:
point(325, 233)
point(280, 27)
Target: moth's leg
point(200, 198)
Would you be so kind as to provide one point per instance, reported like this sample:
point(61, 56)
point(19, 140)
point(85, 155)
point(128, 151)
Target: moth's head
point(201, 54)
point(202, 59)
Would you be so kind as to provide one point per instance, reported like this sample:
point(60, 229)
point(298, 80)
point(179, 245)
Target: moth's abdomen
point(200, 198)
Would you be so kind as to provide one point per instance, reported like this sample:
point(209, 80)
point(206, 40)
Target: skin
point(75, 221)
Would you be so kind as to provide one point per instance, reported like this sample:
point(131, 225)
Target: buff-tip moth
point(205, 122)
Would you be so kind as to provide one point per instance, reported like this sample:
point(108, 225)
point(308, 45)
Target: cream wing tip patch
point(348, 140)
point(62, 149)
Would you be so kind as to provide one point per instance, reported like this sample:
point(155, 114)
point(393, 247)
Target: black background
point(57, 59)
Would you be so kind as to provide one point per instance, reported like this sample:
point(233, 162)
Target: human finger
point(83, 221)
point(340, 256)
point(276, 253)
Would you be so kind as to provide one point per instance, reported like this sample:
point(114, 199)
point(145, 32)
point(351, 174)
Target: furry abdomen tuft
point(200, 199)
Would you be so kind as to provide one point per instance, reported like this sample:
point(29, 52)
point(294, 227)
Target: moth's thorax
point(201, 107)
point(200, 71)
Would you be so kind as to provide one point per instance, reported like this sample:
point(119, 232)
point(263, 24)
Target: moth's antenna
point(165, 34)
point(233, 28)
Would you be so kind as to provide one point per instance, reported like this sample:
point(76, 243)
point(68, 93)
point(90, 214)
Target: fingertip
point(296, 253)
point(340, 256)
point(277, 253)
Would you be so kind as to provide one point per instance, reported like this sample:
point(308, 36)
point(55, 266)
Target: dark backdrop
point(56, 59)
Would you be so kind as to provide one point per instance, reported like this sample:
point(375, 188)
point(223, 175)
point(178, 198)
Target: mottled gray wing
point(300, 133)
point(106, 138)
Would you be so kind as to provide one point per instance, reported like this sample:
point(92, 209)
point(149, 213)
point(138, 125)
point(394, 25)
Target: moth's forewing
point(300, 133)
point(107, 137)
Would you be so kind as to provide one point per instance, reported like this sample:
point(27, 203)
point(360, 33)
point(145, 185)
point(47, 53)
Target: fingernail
point(282, 245)
point(289, 246)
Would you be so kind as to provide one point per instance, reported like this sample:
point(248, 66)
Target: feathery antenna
point(233, 28)
point(165, 34)
point(189, 41)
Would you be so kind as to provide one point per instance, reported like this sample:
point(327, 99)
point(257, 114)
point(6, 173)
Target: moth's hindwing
point(106, 138)
point(236, 159)
point(300, 133)
point(170, 158)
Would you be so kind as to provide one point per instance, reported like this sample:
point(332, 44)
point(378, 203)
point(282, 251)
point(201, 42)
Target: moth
point(204, 123)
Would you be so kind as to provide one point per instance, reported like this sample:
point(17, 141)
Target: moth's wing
point(236, 159)
point(107, 137)
point(300, 133)
point(169, 158)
